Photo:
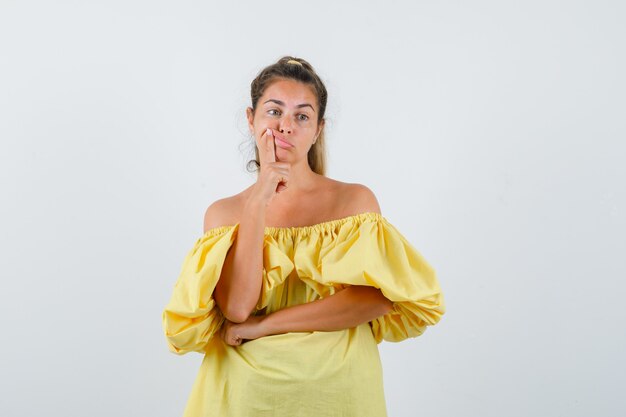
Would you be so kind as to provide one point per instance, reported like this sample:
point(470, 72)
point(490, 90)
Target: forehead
point(290, 91)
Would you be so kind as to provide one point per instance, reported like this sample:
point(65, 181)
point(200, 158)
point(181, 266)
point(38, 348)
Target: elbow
point(387, 306)
point(379, 305)
point(233, 311)
point(236, 315)
point(230, 305)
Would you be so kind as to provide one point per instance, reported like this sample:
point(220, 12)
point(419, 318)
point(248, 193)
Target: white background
point(492, 133)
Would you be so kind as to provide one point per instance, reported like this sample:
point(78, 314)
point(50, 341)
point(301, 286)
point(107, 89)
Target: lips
point(280, 141)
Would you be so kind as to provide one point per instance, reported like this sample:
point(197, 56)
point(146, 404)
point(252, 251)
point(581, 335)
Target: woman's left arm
point(344, 309)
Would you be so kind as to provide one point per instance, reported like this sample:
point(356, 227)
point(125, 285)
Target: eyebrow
point(280, 103)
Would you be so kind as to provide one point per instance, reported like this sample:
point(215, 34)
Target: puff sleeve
point(376, 254)
point(192, 317)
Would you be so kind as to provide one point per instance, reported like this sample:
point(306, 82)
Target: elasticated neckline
point(321, 227)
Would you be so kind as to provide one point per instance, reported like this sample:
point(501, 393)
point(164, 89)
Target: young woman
point(297, 278)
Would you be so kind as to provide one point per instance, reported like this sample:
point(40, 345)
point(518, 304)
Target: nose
point(285, 128)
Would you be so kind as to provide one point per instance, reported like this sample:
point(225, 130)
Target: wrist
point(255, 204)
point(266, 325)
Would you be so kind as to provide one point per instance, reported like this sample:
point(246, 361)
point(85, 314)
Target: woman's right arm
point(239, 287)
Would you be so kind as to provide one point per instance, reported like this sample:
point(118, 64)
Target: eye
point(306, 117)
point(270, 110)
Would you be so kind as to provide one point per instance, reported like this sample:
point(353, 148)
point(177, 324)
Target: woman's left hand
point(235, 334)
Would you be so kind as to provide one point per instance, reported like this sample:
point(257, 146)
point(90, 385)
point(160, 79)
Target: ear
point(250, 117)
point(320, 127)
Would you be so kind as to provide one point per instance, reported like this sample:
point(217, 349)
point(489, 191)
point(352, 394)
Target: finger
point(281, 174)
point(270, 146)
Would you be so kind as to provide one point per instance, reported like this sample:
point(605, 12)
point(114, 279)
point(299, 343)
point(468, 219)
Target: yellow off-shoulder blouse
point(319, 373)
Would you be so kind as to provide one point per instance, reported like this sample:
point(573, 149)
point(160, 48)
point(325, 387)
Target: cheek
point(260, 124)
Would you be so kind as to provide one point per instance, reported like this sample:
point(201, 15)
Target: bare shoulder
point(362, 198)
point(223, 212)
point(359, 198)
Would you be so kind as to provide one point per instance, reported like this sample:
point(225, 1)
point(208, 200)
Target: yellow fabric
point(301, 373)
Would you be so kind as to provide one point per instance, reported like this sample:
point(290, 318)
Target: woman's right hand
point(273, 176)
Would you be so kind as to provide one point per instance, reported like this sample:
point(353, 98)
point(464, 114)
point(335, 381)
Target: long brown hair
point(303, 73)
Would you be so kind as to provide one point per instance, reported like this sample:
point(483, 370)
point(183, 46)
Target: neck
point(301, 178)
